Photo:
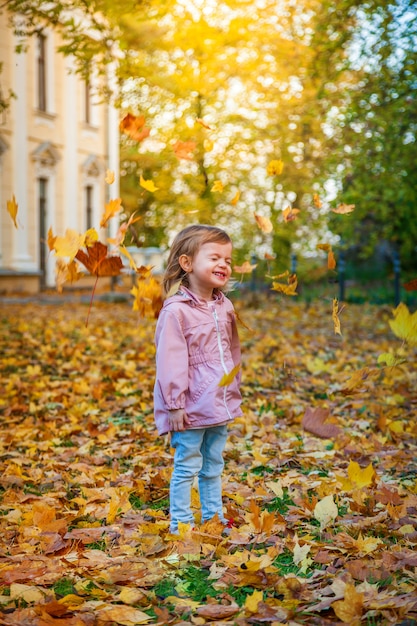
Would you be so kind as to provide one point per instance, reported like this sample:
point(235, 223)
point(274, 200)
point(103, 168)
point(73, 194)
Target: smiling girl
point(196, 345)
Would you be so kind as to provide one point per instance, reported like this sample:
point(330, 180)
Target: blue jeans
point(198, 452)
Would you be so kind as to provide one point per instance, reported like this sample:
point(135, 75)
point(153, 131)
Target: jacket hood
point(185, 295)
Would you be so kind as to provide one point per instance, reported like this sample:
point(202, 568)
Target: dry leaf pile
point(319, 483)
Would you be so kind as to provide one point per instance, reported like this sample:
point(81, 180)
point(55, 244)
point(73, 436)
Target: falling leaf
point(331, 261)
point(325, 511)
point(289, 289)
point(12, 208)
point(69, 245)
point(66, 273)
point(246, 268)
point(361, 477)
point(404, 324)
point(97, 261)
point(147, 297)
point(335, 315)
point(343, 209)
point(202, 123)
point(390, 359)
point(134, 127)
point(227, 379)
point(147, 184)
point(109, 179)
point(235, 199)
point(317, 202)
point(217, 186)
point(264, 223)
point(121, 234)
point(411, 285)
point(208, 145)
point(275, 167)
point(51, 239)
point(184, 149)
point(174, 288)
point(112, 208)
point(289, 214)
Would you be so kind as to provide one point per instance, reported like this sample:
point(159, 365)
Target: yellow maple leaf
point(365, 545)
point(109, 179)
point(217, 186)
point(361, 477)
point(228, 378)
point(111, 209)
point(275, 167)
point(147, 184)
point(69, 245)
point(12, 208)
point(404, 324)
point(252, 601)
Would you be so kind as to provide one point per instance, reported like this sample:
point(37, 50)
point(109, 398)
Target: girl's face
point(209, 269)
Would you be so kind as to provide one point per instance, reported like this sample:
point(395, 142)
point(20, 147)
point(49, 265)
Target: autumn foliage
point(319, 479)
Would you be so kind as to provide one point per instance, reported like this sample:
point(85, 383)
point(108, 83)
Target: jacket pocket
point(201, 379)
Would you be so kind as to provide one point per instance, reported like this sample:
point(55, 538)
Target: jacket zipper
point(219, 343)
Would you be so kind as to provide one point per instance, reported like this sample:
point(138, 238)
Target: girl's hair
point(188, 242)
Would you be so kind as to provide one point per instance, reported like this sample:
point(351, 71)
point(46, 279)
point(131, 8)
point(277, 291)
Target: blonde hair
point(189, 242)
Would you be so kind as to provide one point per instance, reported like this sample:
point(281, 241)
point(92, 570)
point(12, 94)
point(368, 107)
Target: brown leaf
point(97, 262)
point(315, 421)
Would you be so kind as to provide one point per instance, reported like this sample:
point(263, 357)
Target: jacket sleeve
point(171, 361)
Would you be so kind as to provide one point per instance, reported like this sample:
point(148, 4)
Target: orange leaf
point(264, 223)
point(112, 208)
point(331, 261)
point(134, 127)
point(343, 209)
point(183, 149)
point(236, 198)
point(317, 202)
point(12, 208)
point(289, 214)
point(51, 239)
point(98, 263)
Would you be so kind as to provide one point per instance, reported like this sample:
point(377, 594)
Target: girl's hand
point(178, 420)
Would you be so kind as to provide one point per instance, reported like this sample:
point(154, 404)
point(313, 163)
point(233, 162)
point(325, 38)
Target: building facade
point(57, 139)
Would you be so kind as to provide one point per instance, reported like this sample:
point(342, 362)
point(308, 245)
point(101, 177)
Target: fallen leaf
point(264, 223)
point(325, 511)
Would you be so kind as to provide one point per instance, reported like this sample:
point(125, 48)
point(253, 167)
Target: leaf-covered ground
point(320, 475)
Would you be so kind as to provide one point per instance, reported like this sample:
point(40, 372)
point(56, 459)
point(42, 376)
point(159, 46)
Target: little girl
point(196, 345)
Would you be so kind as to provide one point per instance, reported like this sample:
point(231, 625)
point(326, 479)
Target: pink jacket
point(196, 344)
